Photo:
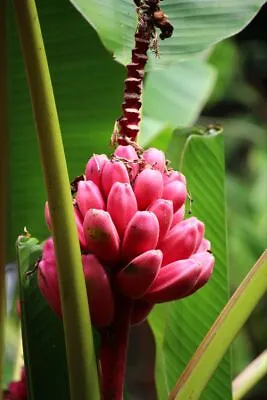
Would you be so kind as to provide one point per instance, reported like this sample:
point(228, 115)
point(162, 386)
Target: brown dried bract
point(150, 17)
point(74, 183)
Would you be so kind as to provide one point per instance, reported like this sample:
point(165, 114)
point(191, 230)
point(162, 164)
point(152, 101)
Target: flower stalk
point(113, 354)
point(3, 179)
point(78, 335)
point(150, 17)
point(250, 376)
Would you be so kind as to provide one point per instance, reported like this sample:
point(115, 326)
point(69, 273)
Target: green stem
point(3, 180)
point(19, 357)
point(76, 320)
point(251, 375)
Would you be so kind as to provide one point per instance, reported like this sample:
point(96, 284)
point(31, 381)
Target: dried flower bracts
point(150, 17)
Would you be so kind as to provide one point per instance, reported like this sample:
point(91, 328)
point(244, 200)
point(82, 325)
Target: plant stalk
point(77, 327)
point(19, 362)
point(251, 375)
point(113, 354)
point(3, 179)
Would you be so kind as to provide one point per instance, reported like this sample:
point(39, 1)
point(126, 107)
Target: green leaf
point(189, 319)
point(158, 320)
point(42, 331)
point(174, 97)
point(88, 88)
point(159, 138)
point(177, 94)
point(197, 24)
point(151, 129)
point(224, 59)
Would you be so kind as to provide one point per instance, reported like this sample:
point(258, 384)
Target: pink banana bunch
point(134, 240)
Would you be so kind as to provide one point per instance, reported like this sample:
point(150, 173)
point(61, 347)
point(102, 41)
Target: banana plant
point(133, 237)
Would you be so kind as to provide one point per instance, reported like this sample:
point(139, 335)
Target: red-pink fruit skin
point(163, 210)
point(47, 216)
point(201, 232)
point(136, 278)
point(48, 284)
point(176, 192)
point(94, 168)
point(128, 153)
point(206, 261)
point(205, 245)
point(180, 242)
point(18, 308)
point(79, 224)
point(89, 196)
point(178, 216)
point(155, 158)
point(172, 176)
point(49, 251)
point(113, 171)
point(141, 235)
point(141, 309)
point(17, 390)
point(78, 221)
point(101, 236)
point(174, 281)
point(148, 187)
point(121, 205)
point(99, 292)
